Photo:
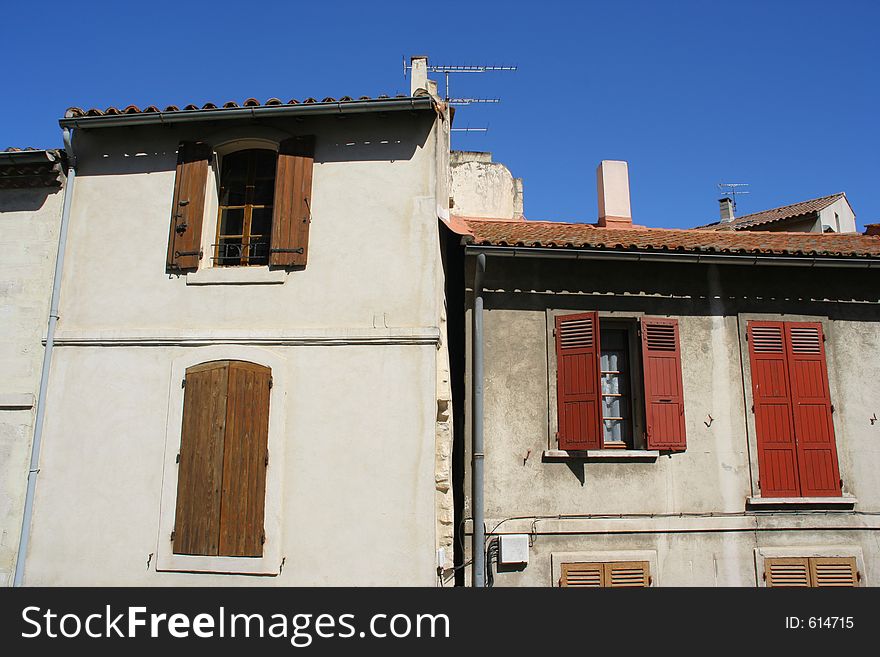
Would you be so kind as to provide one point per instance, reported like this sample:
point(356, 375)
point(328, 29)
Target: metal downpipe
point(34, 469)
point(479, 530)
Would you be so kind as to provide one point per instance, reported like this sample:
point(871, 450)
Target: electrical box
point(514, 548)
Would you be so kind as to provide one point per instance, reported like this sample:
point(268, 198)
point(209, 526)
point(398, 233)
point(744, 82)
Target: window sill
point(795, 503)
point(236, 276)
point(16, 401)
point(612, 455)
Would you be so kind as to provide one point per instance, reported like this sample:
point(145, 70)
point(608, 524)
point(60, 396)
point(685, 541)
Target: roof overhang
point(31, 168)
point(672, 256)
point(415, 103)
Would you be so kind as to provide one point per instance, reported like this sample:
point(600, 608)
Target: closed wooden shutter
point(188, 206)
point(577, 382)
point(811, 405)
point(777, 456)
point(292, 212)
point(790, 572)
point(817, 572)
point(664, 393)
point(833, 572)
point(615, 574)
point(223, 459)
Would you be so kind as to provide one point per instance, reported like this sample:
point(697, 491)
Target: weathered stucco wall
point(483, 188)
point(29, 221)
point(358, 331)
point(701, 531)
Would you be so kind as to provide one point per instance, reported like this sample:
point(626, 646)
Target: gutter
point(263, 111)
point(34, 469)
point(668, 256)
point(478, 577)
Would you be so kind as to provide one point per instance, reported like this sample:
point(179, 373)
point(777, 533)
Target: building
point(672, 407)
point(828, 214)
point(249, 381)
point(30, 214)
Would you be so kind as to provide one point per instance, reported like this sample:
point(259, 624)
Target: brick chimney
point(612, 184)
point(726, 210)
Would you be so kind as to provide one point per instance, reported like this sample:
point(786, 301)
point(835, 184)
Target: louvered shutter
point(582, 575)
point(188, 206)
point(245, 460)
point(777, 454)
point(627, 574)
point(811, 405)
point(292, 213)
point(223, 459)
point(789, 572)
point(200, 462)
point(833, 572)
point(664, 393)
point(577, 381)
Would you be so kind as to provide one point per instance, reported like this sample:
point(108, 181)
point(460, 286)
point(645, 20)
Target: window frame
point(270, 562)
point(761, 555)
point(608, 319)
point(743, 320)
point(557, 559)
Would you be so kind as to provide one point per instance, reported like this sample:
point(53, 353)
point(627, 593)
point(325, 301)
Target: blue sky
point(781, 95)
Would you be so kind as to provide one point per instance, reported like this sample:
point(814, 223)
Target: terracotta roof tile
point(775, 214)
point(550, 234)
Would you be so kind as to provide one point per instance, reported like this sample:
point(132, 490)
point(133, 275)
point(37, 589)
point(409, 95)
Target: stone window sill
point(236, 276)
point(795, 503)
point(612, 455)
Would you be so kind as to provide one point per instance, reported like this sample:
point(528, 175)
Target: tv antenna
point(731, 190)
point(447, 70)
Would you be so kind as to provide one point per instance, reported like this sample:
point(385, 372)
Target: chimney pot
point(726, 206)
point(612, 183)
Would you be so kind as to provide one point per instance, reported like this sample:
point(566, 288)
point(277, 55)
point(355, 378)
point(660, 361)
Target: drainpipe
point(479, 533)
point(47, 362)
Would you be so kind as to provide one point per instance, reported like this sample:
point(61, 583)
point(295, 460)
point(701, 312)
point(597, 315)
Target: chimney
point(612, 183)
point(418, 74)
point(726, 210)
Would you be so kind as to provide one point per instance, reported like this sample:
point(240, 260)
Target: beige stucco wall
point(845, 217)
point(29, 221)
point(359, 331)
point(483, 188)
point(714, 542)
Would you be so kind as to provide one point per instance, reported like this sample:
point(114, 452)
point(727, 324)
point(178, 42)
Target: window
point(618, 383)
point(221, 481)
point(265, 206)
point(615, 574)
point(812, 572)
point(244, 222)
point(797, 454)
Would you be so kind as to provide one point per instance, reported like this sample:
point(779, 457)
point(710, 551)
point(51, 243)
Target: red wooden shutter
point(188, 206)
point(577, 381)
point(811, 406)
point(200, 470)
point(777, 455)
point(293, 200)
point(664, 393)
point(245, 460)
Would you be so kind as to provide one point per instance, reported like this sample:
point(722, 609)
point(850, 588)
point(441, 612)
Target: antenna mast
point(731, 190)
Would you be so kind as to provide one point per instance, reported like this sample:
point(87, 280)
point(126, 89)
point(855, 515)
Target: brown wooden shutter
point(777, 457)
point(200, 470)
point(627, 574)
point(223, 458)
point(582, 575)
point(811, 406)
point(188, 206)
point(664, 392)
point(789, 572)
point(245, 460)
point(833, 572)
point(292, 212)
point(577, 382)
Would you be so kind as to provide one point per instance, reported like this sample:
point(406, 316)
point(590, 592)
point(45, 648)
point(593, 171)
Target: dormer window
point(244, 223)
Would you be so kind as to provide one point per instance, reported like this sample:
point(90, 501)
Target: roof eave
point(265, 111)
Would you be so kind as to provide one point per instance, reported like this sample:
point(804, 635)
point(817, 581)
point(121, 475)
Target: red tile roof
point(550, 234)
point(775, 214)
point(77, 112)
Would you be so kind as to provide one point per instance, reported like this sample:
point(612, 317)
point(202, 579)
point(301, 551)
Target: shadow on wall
point(680, 289)
point(25, 200)
point(364, 138)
